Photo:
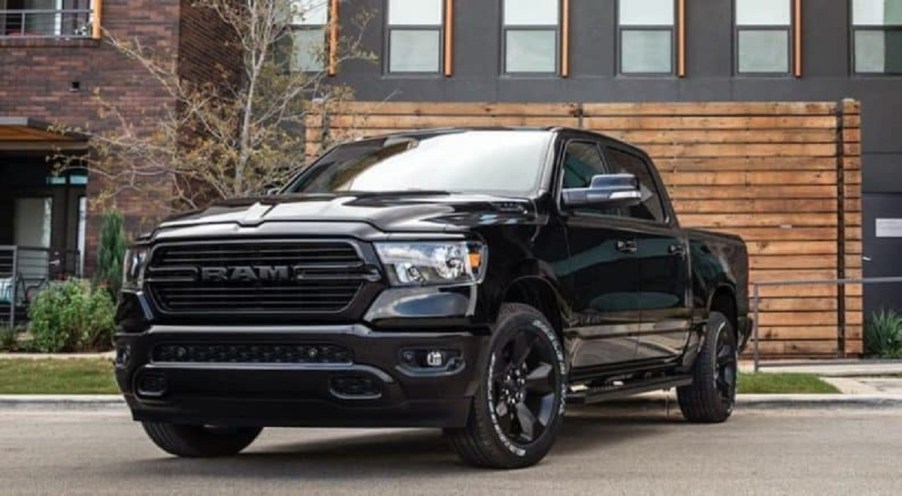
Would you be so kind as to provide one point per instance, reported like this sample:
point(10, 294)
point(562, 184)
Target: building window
point(308, 35)
point(877, 28)
point(646, 36)
point(763, 34)
point(415, 31)
point(531, 36)
point(46, 18)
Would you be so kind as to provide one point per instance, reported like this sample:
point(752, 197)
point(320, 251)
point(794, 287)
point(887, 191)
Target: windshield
point(506, 162)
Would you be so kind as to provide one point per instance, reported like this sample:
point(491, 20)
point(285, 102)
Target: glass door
point(32, 234)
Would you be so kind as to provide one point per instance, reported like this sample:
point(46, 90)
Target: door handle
point(676, 249)
point(627, 246)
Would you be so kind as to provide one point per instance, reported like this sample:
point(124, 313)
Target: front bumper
point(270, 393)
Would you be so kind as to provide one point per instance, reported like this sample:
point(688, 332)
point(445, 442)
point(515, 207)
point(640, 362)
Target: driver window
point(582, 161)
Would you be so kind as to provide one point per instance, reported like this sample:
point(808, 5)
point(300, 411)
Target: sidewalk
point(829, 368)
point(859, 378)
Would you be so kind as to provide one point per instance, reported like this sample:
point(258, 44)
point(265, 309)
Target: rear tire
point(194, 441)
point(518, 409)
point(711, 396)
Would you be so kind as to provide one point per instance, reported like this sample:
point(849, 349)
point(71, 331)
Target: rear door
point(664, 299)
point(604, 269)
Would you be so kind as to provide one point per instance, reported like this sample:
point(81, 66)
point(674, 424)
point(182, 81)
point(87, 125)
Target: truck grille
point(251, 353)
point(256, 277)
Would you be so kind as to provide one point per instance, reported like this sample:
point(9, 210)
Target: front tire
point(711, 396)
point(518, 409)
point(195, 441)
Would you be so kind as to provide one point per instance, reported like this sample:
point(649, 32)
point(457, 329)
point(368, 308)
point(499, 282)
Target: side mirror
point(609, 190)
point(272, 191)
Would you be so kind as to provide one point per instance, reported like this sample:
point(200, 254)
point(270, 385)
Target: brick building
point(53, 61)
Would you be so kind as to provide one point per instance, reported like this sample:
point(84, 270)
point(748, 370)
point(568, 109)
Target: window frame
point(294, 27)
point(672, 28)
point(565, 143)
point(388, 28)
point(543, 28)
point(853, 30)
point(62, 18)
point(652, 171)
point(789, 29)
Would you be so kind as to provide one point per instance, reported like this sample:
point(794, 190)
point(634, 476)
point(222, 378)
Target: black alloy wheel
point(726, 368)
point(523, 387)
point(519, 407)
point(712, 395)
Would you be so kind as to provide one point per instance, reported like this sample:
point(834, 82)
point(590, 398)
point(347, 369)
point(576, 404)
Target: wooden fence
point(784, 176)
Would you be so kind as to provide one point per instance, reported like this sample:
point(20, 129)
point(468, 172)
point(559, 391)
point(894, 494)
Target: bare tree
point(235, 135)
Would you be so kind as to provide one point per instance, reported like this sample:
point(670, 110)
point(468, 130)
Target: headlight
point(133, 268)
point(433, 263)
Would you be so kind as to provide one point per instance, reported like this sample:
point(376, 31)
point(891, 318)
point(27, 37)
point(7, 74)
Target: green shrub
point(883, 335)
point(7, 338)
point(72, 316)
point(111, 252)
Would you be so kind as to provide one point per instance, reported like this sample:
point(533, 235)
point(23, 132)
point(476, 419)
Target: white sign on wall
point(889, 228)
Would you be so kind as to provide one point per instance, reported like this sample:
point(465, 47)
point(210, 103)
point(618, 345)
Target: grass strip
point(72, 376)
point(764, 383)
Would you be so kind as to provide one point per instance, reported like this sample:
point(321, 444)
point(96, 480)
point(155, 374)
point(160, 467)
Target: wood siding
point(784, 176)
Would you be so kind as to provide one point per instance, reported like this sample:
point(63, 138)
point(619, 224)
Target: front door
point(604, 269)
point(664, 279)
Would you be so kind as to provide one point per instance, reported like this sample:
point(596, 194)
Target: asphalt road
point(600, 452)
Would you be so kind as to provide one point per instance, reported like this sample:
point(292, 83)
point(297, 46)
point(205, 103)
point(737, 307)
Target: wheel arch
point(540, 294)
point(723, 300)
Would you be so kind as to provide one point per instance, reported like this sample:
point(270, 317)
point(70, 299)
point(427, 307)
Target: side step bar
point(595, 395)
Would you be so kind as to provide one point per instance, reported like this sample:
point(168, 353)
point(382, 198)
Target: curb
point(645, 401)
point(772, 401)
point(62, 402)
point(109, 355)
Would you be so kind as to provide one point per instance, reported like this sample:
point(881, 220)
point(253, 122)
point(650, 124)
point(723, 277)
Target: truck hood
point(388, 212)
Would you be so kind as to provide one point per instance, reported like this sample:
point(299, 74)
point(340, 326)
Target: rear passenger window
point(652, 207)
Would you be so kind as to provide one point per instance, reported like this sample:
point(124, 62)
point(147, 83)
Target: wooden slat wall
point(851, 204)
point(784, 176)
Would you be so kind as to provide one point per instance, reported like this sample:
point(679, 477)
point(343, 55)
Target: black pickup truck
point(475, 280)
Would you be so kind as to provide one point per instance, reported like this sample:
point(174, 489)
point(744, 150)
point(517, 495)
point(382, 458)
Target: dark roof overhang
point(27, 134)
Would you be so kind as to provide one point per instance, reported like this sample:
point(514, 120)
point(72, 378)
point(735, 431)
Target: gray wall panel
point(710, 67)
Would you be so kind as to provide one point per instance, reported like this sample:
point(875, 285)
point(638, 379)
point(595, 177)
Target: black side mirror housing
point(609, 190)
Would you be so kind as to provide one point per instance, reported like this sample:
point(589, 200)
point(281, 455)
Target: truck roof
point(451, 130)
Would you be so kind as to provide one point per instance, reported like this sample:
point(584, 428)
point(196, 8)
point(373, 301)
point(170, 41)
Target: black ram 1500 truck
point(476, 280)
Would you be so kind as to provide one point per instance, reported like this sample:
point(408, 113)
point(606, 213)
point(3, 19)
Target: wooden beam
point(797, 40)
point(681, 41)
point(334, 24)
point(96, 19)
point(449, 38)
point(565, 38)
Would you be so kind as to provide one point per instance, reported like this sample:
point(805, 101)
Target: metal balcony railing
point(47, 23)
point(25, 271)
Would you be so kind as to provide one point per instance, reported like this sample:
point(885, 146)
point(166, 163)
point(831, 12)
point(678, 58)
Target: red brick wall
point(36, 76)
point(207, 51)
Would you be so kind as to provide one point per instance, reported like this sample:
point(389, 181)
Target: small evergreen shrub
point(111, 252)
point(883, 335)
point(72, 316)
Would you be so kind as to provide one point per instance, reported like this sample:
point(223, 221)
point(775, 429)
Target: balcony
point(58, 23)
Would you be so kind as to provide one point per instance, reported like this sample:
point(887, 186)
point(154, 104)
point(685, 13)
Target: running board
point(595, 395)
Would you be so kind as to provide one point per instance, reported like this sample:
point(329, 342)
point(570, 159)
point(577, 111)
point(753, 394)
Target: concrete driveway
point(601, 451)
